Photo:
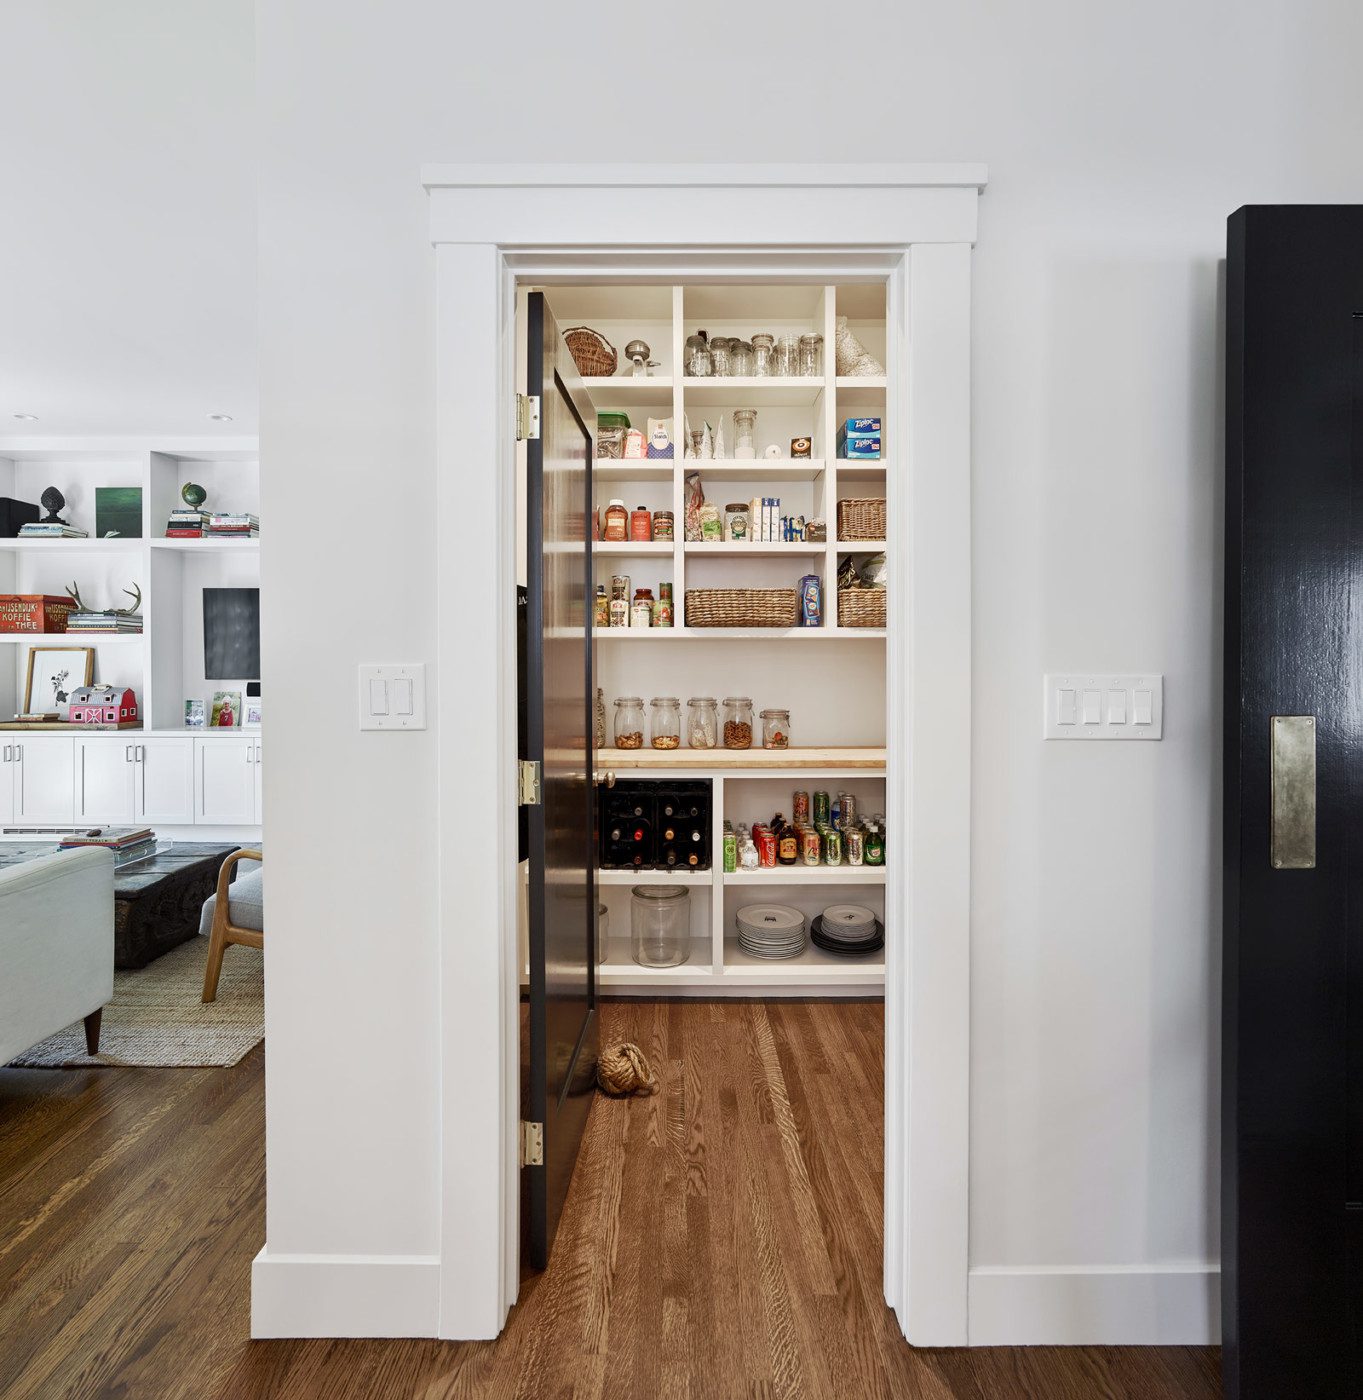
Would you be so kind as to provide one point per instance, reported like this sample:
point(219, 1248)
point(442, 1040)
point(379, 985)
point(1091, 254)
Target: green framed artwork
point(118, 511)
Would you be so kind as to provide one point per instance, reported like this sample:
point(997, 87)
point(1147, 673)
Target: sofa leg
point(92, 1031)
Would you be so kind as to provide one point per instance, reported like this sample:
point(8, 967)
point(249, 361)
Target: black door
point(1292, 1104)
point(560, 730)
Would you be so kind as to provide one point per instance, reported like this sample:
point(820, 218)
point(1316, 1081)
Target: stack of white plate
point(848, 929)
point(771, 930)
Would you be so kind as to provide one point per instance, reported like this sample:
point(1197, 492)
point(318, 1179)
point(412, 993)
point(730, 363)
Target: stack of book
point(186, 523)
point(104, 623)
point(51, 530)
point(128, 843)
point(233, 525)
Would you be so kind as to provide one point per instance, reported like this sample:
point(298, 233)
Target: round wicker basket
point(592, 353)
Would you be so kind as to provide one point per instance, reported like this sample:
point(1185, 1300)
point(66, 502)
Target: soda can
point(835, 813)
point(849, 810)
point(800, 809)
point(832, 848)
point(856, 846)
point(730, 851)
point(821, 807)
point(766, 847)
point(810, 843)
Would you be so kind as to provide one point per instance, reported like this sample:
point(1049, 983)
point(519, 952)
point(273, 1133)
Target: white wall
point(1118, 139)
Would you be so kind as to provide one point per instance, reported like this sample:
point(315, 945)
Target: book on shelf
point(185, 534)
point(109, 836)
point(40, 530)
point(128, 855)
point(104, 622)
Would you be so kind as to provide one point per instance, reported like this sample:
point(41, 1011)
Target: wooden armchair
point(224, 931)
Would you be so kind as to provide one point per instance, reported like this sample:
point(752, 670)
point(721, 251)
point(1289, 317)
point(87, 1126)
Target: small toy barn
point(103, 705)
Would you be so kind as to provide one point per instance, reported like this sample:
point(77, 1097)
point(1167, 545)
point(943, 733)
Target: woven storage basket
point(861, 607)
point(592, 353)
point(861, 519)
point(742, 607)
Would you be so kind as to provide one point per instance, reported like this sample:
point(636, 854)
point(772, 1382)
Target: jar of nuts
point(629, 722)
point(665, 725)
point(738, 722)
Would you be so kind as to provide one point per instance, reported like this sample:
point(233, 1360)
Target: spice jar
point(699, 363)
point(811, 356)
point(775, 729)
point(702, 723)
point(629, 722)
point(662, 525)
point(738, 722)
point(740, 359)
point(762, 347)
point(665, 722)
point(662, 609)
point(641, 609)
point(617, 522)
point(745, 433)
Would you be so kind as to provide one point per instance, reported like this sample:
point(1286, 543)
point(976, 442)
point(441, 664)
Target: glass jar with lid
point(775, 729)
point(698, 361)
point(811, 356)
point(721, 353)
point(660, 925)
point(702, 722)
point(665, 722)
point(738, 722)
point(629, 722)
point(740, 359)
point(786, 357)
point(745, 433)
point(763, 346)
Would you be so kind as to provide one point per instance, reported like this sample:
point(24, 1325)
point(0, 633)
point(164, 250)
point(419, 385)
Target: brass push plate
point(1292, 740)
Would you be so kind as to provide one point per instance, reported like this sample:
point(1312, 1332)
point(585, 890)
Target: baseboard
point(1177, 1305)
point(344, 1295)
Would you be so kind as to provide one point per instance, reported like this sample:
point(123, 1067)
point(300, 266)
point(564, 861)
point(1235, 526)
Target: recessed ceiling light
point(220, 417)
point(27, 417)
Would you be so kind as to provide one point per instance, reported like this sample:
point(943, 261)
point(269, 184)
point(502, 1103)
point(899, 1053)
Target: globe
point(193, 495)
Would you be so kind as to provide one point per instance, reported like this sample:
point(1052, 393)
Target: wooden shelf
point(806, 635)
point(809, 760)
point(731, 548)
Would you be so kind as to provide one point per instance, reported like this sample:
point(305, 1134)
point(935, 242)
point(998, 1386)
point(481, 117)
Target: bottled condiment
point(665, 722)
point(629, 722)
point(662, 609)
point(640, 524)
point(617, 522)
point(787, 842)
point(702, 725)
point(641, 610)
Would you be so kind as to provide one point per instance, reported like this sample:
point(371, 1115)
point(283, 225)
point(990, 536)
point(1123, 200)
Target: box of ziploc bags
point(859, 437)
point(867, 449)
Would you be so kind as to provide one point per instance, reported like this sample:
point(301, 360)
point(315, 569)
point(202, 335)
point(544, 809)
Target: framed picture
point(118, 512)
point(226, 709)
point(53, 673)
point(194, 714)
point(251, 719)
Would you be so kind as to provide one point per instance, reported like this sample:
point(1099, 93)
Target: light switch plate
point(393, 697)
point(1085, 705)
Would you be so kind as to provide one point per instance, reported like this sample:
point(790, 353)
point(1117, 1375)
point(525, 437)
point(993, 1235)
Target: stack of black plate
point(848, 930)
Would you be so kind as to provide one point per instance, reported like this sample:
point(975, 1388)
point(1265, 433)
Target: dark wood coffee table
point(156, 901)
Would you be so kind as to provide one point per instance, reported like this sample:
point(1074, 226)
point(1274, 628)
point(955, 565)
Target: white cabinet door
point(163, 782)
point(9, 778)
point(260, 797)
point(225, 782)
point(46, 781)
point(104, 780)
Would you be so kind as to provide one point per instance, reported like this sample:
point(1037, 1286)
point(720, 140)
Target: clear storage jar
point(721, 355)
point(745, 433)
point(702, 722)
point(660, 925)
point(740, 359)
point(698, 360)
point(763, 346)
point(738, 722)
point(811, 357)
point(775, 729)
point(629, 722)
point(786, 358)
point(665, 727)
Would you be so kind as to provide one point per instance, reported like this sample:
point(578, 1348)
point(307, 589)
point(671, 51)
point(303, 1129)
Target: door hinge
point(527, 416)
point(532, 1144)
point(528, 784)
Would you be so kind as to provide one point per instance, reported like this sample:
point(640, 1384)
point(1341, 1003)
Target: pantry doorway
point(901, 235)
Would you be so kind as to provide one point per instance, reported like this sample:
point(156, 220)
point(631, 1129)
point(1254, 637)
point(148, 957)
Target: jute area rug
point(156, 1017)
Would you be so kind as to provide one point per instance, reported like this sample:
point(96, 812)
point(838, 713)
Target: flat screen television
point(231, 633)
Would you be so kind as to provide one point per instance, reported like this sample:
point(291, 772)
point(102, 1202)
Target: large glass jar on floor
point(660, 925)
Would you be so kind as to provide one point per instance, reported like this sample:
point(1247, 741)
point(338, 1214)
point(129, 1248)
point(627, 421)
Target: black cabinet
point(1292, 1063)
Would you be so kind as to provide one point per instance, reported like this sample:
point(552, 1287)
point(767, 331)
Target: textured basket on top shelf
point(861, 518)
point(592, 353)
point(861, 607)
point(742, 607)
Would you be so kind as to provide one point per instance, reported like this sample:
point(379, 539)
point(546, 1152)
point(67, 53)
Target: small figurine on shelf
point(52, 501)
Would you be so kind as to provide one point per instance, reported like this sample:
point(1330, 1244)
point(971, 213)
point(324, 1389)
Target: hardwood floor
point(720, 1240)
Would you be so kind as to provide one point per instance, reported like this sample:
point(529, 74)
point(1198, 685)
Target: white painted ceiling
point(127, 217)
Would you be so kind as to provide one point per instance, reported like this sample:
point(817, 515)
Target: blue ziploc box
point(865, 448)
point(859, 427)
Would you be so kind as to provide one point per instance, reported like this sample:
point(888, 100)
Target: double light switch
point(393, 697)
point(1086, 706)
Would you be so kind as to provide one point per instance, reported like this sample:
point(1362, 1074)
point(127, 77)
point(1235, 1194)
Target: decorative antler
point(74, 593)
point(135, 593)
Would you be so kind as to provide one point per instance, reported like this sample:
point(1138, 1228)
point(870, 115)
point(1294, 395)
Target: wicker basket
point(592, 353)
point(742, 607)
point(861, 519)
point(861, 607)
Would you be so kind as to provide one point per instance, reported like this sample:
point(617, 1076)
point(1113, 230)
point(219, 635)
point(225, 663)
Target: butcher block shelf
point(807, 760)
